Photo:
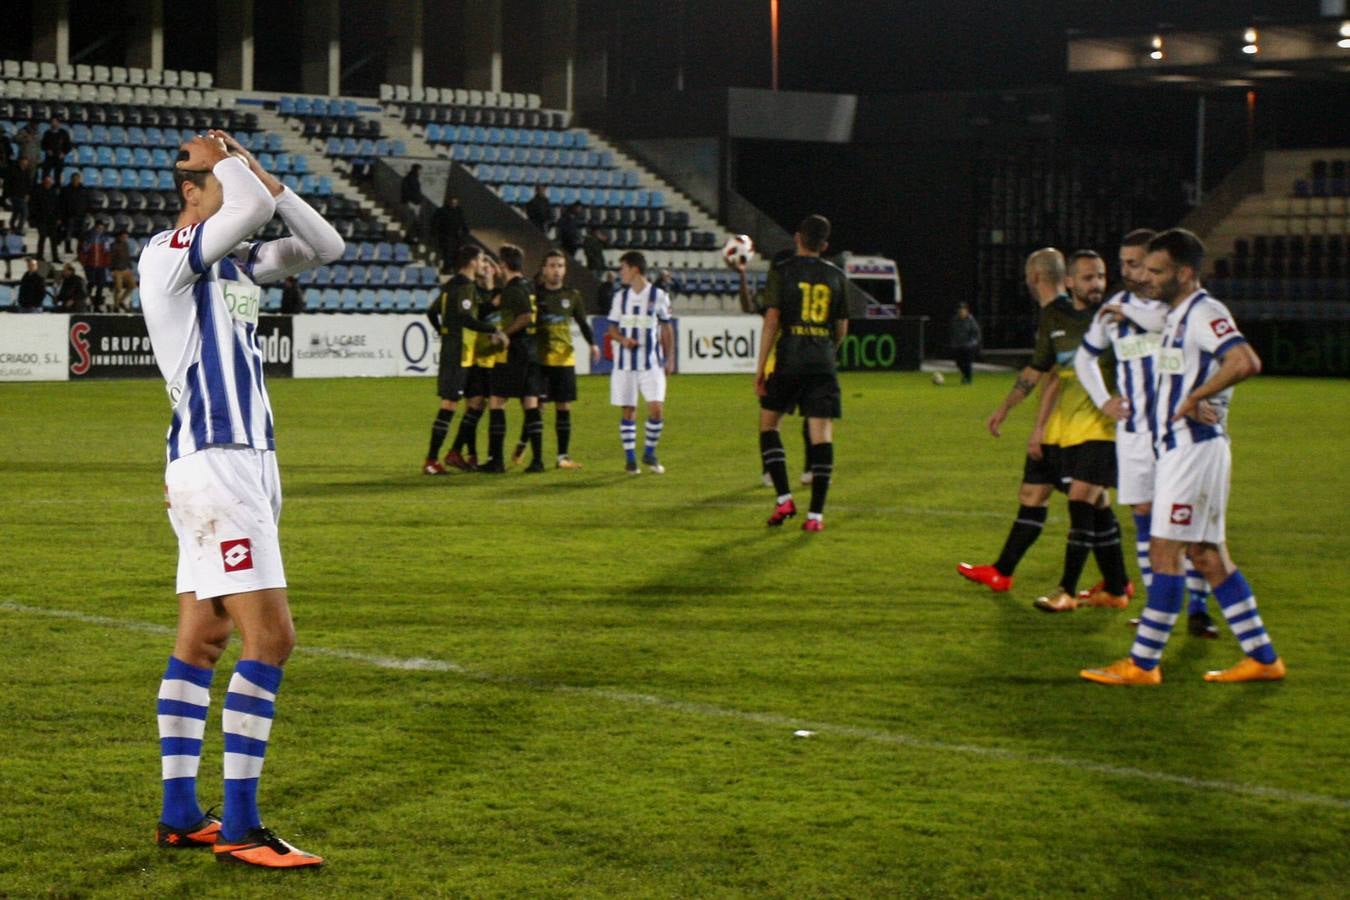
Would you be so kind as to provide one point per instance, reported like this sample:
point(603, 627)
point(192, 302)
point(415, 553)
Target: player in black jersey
point(805, 321)
point(480, 352)
point(511, 367)
point(450, 314)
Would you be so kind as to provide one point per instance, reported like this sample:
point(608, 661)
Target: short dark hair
point(1076, 255)
point(1183, 246)
point(635, 260)
point(1138, 238)
point(555, 252)
point(181, 176)
point(512, 257)
point(466, 254)
point(815, 231)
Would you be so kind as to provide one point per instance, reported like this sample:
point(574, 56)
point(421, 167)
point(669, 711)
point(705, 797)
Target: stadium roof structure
point(1206, 60)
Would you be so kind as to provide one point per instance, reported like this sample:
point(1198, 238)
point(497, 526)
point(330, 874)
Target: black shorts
point(450, 377)
point(1091, 461)
point(560, 383)
point(1049, 469)
point(476, 381)
point(508, 379)
point(813, 394)
point(534, 380)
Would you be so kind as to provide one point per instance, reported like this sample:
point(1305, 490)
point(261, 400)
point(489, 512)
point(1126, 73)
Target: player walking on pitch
point(805, 321)
point(640, 327)
point(1203, 355)
point(200, 297)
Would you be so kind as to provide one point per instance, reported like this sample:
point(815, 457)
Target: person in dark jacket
point(449, 229)
point(74, 211)
point(965, 340)
point(18, 189)
point(70, 293)
point(55, 145)
point(292, 297)
point(410, 194)
point(593, 245)
point(569, 230)
point(46, 213)
point(32, 288)
point(539, 211)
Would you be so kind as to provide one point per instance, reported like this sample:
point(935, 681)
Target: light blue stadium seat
point(351, 300)
point(434, 133)
point(333, 147)
point(6, 296)
point(329, 299)
point(365, 250)
point(165, 180)
point(402, 253)
point(384, 251)
point(111, 178)
point(105, 156)
point(267, 161)
point(384, 301)
point(286, 106)
point(272, 300)
point(142, 157)
point(291, 182)
point(86, 155)
point(117, 135)
point(349, 110)
point(149, 180)
point(274, 143)
point(349, 251)
point(340, 275)
point(135, 136)
point(325, 186)
point(92, 177)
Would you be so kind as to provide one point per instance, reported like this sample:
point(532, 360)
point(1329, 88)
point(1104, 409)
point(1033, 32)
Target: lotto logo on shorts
point(1222, 327)
point(238, 555)
point(1181, 514)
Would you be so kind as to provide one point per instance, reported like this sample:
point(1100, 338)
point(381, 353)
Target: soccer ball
point(938, 379)
point(738, 251)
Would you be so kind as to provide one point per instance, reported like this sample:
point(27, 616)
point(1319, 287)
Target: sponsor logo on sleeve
point(1222, 328)
point(182, 238)
point(1181, 514)
point(237, 555)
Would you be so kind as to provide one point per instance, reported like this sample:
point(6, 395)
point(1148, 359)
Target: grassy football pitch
point(584, 683)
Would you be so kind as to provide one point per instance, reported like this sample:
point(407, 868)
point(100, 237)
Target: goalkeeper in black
point(805, 321)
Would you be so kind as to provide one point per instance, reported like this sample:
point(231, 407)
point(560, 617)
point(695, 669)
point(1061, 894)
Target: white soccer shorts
point(1134, 466)
point(1190, 500)
point(624, 386)
point(224, 504)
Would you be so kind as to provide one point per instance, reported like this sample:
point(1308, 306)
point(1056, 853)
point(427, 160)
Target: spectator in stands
point(569, 230)
point(96, 253)
point(965, 341)
point(70, 292)
point(74, 210)
point(411, 195)
point(594, 245)
point(55, 145)
point(6, 157)
point(18, 188)
point(604, 294)
point(539, 211)
point(30, 148)
point(32, 288)
point(46, 213)
point(449, 229)
point(292, 297)
point(123, 279)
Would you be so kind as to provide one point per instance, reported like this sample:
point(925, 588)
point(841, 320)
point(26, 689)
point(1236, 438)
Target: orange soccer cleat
point(260, 847)
point(988, 576)
point(203, 834)
point(1101, 586)
point(1058, 600)
point(1124, 672)
point(1104, 598)
point(1249, 670)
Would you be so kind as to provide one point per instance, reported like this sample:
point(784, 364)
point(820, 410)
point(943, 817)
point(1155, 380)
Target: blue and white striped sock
point(654, 427)
point(1239, 608)
point(249, 708)
point(1142, 530)
point(1198, 589)
point(628, 437)
point(184, 696)
point(1155, 623)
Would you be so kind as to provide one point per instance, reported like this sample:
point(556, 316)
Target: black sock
point(1110, 555)
point(467, 436)
point(806, 444)
point(534, 432)
point(775, 460)
point(1026, 528)
point(439, 429)
point(496, 434)
point(1082, 528)
point(822, 469)
point(563, 426)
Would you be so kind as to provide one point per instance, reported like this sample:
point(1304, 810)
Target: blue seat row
point(554, 175)
point(531, 156)
point(566, 196)
point(369, 300)
point(317, 106)
point(364, 147)
point(341, 275)
point(510, 137)
point(123, 157)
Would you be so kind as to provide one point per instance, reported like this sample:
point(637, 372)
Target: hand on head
point(203, 153)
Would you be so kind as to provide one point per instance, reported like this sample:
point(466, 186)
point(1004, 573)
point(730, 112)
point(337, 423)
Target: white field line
point(771, 720)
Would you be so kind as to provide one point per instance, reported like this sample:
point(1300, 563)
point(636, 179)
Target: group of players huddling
point(1177, 354)
point(1173, 354)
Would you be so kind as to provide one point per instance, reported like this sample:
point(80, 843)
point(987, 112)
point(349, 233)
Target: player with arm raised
point(805, 321)
point(1202, 356)
point(200, 297)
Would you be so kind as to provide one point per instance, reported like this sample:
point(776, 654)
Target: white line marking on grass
point(772, 720)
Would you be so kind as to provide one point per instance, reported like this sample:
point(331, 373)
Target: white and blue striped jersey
point(1198, 333)
point(1134, 341)
point(639, 315)
point(201, 306)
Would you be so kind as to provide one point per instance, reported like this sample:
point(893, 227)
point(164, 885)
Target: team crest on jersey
point(237, 555)
point(1222, 327)
point(566, 303)
point(1181, 514)
point(466, 304)
point(182, 238)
